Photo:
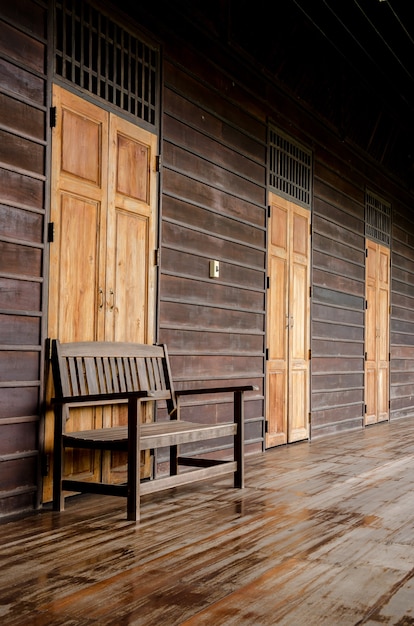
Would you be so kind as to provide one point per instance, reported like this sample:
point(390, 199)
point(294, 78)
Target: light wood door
point(377, 285)
point(288, 323)
point(102, 259)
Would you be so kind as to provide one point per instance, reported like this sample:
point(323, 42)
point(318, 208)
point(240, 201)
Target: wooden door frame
point(293, 210)
point(152, 321)
point(374, 415)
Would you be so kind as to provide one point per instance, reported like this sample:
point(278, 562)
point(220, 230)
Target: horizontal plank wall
point(338, 303)
point(22, 182)
point(213, 208)
point(402, 313)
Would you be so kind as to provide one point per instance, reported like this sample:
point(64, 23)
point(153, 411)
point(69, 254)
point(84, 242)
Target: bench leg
point(239, 439)
point(173, 460)
point(133, 496)
point(58, 461)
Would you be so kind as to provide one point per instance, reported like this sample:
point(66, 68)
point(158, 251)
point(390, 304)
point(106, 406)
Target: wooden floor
point(323, 534)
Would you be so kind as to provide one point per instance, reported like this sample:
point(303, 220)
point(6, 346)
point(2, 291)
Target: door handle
point(111, 300)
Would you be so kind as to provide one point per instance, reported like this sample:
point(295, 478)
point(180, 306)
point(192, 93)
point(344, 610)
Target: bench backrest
point(105, 367)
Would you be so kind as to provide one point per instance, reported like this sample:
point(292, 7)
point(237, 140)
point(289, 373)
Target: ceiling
point(351, 61)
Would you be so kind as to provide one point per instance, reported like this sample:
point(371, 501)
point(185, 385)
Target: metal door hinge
point(158, 163)
point(267, 282)
point(48, 353)
point(157, 256)
point(45, 464)
point(52, 117)
point(310, 418)
point(266, 426)
point(267, 354)
point(51, 232)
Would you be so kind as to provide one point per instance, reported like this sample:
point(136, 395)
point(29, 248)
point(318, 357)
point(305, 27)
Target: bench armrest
point(234, 388)
point(106, 397)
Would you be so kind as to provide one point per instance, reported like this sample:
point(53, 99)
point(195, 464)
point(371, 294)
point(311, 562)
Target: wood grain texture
point(296, 546)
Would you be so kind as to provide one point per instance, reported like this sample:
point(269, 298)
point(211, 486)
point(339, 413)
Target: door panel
point(287, 368)
point(377, 291)
point(102, 282)
point(130, 269)
point(277, 321)
point(82, 145)
point(130, 279)
point(76, 301)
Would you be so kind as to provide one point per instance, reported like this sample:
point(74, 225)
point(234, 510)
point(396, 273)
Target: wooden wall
point(402, 312)
point(22, 210)
point(338, 299)
point(213, 203)
point(213, 208)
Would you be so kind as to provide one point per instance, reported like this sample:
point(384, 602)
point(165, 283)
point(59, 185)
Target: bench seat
point(155, 435)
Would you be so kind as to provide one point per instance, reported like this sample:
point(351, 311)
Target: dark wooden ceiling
point(351, 61)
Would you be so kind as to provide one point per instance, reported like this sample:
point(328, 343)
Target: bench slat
point(155, 435)
point(91, 377)
point(141, 365)
point(127, 374)
point(100, 375)
point(108, 372)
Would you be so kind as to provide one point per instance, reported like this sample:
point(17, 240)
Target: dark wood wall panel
point(402, 315)
point(213, 207)
point(338, 303)
point(179, 288)
point(26, 328)
point(23, 54)
point(208, 196)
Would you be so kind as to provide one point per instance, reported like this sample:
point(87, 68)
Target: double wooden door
point(377, 286)
point(102, 254)
point(288, 323)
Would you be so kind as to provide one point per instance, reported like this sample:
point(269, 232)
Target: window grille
point(100, 56)
point(377, 218)
point(290, 168)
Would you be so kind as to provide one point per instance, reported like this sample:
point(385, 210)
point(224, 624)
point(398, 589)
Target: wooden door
point(377, 285)
point(288, 325)
point(130, 277)
point(101, 276)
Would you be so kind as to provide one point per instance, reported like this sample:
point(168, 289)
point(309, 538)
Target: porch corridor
point(323, 534)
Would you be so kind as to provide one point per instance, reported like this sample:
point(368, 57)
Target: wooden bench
point(108, 373)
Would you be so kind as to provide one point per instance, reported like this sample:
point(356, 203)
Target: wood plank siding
point(215, 88)
point(23, 52)
point(338, 301)
point(213, 208)
point(402, 319)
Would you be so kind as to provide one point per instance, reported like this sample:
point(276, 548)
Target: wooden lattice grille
point(377, 218)
point(290, 168)
point(100, 56)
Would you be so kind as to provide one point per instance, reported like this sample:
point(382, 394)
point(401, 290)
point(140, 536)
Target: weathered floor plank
point(323, 534)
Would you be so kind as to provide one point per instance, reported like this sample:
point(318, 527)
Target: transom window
point(290, 168)
point(98, 55)
point(377, 218)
